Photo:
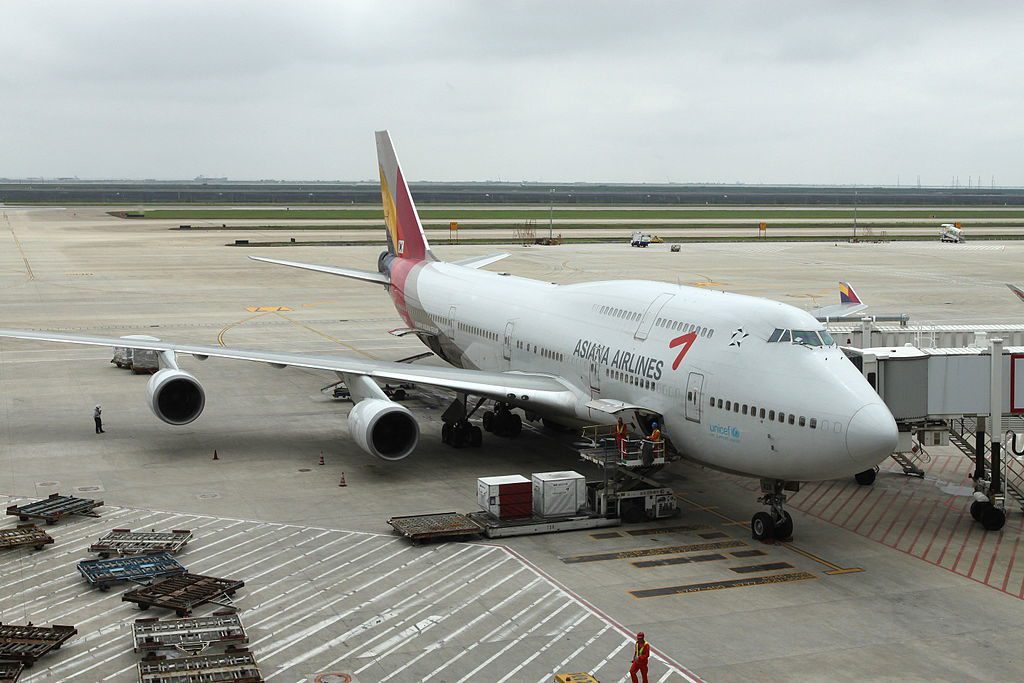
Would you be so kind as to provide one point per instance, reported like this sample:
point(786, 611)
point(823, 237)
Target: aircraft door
point(595, 380)
point(647, 321)
point(694, 402)
point(451, 324)
point(506, 350)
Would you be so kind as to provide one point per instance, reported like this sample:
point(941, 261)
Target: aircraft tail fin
point(847, 295)
point(406, 239)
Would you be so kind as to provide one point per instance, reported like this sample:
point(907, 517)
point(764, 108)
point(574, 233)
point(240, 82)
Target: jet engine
point(175, 396)
point(383, 428)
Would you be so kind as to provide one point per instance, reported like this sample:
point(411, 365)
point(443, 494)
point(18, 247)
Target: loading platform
point(432, 527)
point(24, 534)
point(10, 672)
point(55, 507)
point(128, 542)
point(139, 569)
point(236, 666)
point(184, 593)
point(192, 635)
point(26, 644)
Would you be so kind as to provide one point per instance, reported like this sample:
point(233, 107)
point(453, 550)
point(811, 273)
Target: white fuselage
point(736, 401)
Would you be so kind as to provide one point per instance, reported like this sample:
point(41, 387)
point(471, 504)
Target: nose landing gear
point(777, 523)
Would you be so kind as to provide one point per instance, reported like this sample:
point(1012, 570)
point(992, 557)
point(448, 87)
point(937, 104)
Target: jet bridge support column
point(997, 418)
point(979, 449)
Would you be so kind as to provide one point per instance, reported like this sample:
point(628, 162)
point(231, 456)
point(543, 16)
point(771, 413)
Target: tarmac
point(892, 581)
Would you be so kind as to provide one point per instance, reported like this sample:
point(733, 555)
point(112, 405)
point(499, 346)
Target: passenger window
point(728, 405)
point(771, 415)
point(762, 413)
point(712, 401)
point(689, 395)
point(719, 403)
point(744, 411)
point(838, 428)
point(791, 418)
point(803, 421)
point(814, 423)
point(711, 333)
point(735, 407)
point(782, 417)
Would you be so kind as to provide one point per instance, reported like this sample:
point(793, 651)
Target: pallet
point(236, 666)
point(55, 507)
point(420, 528)
point(140, 569)
point(10, 672)
point(24, 534)
point(26, 644)
point(191, 635)
point(128, 542)
point(184, 593)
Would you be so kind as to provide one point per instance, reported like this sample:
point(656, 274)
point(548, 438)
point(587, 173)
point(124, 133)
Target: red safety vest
point(656, 435)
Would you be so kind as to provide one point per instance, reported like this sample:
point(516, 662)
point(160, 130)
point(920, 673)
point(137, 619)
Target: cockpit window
point(804, 337)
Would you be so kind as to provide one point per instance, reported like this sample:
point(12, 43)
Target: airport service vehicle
point(640, 239)
point(951, 233)
point(737, 383)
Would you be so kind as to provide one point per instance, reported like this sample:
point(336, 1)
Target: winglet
point(406, 239)
point(847, 295)
point(1016, 290)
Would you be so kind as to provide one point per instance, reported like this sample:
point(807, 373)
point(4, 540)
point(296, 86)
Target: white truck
point(640, 239)
point(951, 233)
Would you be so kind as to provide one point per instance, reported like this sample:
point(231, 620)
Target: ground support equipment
point(502, 528)
point(10, 672)
point(26, 644)
point(236, 666)
point(184, 593)
point(55, 507)
point(191, 635)
point(24, 534)
point(431, 527)
point(139, 569)
point(128, 542)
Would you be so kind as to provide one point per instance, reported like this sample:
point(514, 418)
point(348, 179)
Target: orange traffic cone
point(215, 454)
point(321, 457)
point(342, 482)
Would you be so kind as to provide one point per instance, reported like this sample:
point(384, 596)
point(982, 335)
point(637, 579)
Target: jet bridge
point(937, 392)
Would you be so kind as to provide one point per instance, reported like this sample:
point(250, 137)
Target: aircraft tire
point(515, 425)
point(476, 437)
point(489, 421)
point(978, 509)
point(762, 527)
point(866, 478)
point(446, 434)
point(784, 529)
point(993, 518)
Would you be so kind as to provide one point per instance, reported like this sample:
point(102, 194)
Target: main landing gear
point(990, 516)
point(459, 432)
point(776, 524)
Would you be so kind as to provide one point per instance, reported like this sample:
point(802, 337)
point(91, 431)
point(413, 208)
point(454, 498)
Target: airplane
point(849, 304)
point(1016, 291)
point(737, 383)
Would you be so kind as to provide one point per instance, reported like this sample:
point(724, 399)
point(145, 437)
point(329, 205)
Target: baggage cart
point(419, 528)
point(128, 542)
point(184, 593)
point(24, 534)
point(139, 569)
point(10, 672)
point(192, 635)
point(26, 644)
point(55, 507)
point(237, 666)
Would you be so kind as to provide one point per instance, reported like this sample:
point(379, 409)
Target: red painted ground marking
point(950, 539)
point(867, 494)
point(867, 514)
point(1009, 568)
point(967, 537)
point(809, 505)
point(808, 492)
point(970, 572)
point(911, 518)
point(995, 554)
point(896, 517)
point(834, 498)
point(924, 526)
point(853, 492)
point(937, 530)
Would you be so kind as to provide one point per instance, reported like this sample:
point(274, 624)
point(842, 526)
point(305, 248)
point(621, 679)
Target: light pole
point(551, 213)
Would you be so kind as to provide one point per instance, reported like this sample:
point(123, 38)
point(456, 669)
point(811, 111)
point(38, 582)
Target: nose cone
point(871, 436)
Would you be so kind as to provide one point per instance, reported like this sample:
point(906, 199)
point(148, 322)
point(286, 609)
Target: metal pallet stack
point(236, 666)
point(184, 593)
point(26, 644)
point(24, 534)
point(128, 542)
point(55, 507)
point(139, 569)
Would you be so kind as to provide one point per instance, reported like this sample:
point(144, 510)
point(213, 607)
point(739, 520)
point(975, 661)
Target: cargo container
point(558, 494)
point(505, 497)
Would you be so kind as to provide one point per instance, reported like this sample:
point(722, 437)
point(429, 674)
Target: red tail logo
point(686, 341)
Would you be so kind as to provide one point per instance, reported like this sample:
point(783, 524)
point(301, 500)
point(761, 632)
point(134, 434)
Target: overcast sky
point(757, 92)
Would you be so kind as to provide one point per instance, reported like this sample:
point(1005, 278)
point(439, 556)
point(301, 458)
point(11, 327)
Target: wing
point(526, 390)
point(480, 261)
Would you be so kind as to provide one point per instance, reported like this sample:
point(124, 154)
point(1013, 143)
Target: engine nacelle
point(175, 396)
point(383, 428)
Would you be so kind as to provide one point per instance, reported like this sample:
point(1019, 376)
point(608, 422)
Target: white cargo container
point(558, 494)
point(505, 497)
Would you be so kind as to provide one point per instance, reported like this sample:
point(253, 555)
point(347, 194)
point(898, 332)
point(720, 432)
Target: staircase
point(961, 435)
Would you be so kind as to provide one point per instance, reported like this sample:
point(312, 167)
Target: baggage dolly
point(139, 569)
point(55, 507)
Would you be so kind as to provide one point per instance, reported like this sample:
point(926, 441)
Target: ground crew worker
point(96, 413)
point(620, 435)
point(641, 653)
point(655, 432)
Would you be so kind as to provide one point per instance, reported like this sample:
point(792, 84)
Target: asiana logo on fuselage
point(626, 361)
